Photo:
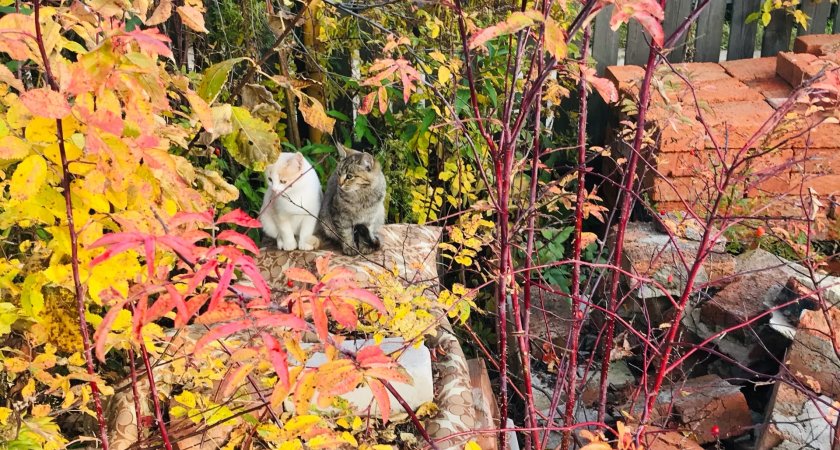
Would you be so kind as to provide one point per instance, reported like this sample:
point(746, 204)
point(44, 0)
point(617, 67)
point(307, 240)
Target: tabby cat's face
point(357, 172)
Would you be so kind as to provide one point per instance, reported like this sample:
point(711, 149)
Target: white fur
point(290, 212)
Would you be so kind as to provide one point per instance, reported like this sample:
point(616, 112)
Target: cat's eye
point(348, 177)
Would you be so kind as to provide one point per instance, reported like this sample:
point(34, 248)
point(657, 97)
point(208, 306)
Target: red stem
point(74, 240)
point(155, 400)
point(576, 248)
point(137, 411)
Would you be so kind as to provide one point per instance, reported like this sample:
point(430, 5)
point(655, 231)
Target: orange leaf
point(304, 391)
point(301, 275)
point(515, 22)
point(234, 380)
point(383, 99)
point(367, 104)
point(6, 76)
point(192, 17)
point(278, 358)
point(46, 103)
point(161, 13)
point(382, 399)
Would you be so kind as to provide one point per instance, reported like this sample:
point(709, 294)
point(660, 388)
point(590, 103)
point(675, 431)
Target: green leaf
point(253, 143)
point(215, 77)
point(338, 115)
point(8, 316)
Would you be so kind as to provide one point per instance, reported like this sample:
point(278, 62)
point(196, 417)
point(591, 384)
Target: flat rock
point(795, 421)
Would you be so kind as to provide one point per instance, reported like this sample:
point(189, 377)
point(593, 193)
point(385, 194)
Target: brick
point(751, 70)
point(812, 358)
point(656, 438)
point(681, 189)
point(551, 322)
point(795, 421)
point(696, 72)
point(795, 67)
point(771, 88)
point(733, 124)
point(822, 136)
point(625, 78)
point(700, 403)
point(654, 255)
point(816, 44)
point(742, 300)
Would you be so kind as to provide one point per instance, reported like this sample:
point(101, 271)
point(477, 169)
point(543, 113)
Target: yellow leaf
point(41, 410)
point(160, 14)
point(29, 390)
point(186, 398)
point(472, 445)
point(444, 75)
point(29, 177)
point(192, 18)
point(298, 425)
point(314, 114)
point(6, 76)
point(4, 415)
point(12, 149)
point(438, 56)
point(202, 111)
point(555, 39)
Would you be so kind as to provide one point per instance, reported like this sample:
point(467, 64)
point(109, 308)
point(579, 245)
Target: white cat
point(291, 203)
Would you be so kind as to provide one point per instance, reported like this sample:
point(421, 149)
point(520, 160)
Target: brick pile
point(735, 99)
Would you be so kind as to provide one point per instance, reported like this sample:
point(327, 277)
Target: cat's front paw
point(308, 244)
point(287, 246)
point(349, 250)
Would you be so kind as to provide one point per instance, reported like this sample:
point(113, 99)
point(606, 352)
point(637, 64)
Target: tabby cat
point(353, 209)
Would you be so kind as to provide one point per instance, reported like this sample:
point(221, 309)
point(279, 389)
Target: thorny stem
point(414, 420)
point(155, 400)
point(576, 249)
point(74, 239)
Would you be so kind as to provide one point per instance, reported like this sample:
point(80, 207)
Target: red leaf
point(159, 308)
point(101, 335)
point(114, 250)
point(364, 296)
point(301, 275)
point(149, 247)
point(319, 316)
point(604, 86)
point(515, 22)
point(239, 239)
point(278, 358)
point(258, 280)
point(200, 274)
point(149, 40)
point(283, 320)
point(239, 217)
point(345, 314)
point(178, 302)
point(372, 354)
point(47, 103)
point(220, 332)
point(649, 13)
point(322, 264)
point(381, 396)
point(367, 104)
point(382, 95)
point(204, 218)
point(221, 287)
point(179, 246)
point(234, 380)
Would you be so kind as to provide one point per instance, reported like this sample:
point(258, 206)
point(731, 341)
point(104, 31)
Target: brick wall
point(735, 99)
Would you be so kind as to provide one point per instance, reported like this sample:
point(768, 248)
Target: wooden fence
point(704, 43)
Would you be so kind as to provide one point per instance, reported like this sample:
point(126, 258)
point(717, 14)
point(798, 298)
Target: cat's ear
point(343, 151)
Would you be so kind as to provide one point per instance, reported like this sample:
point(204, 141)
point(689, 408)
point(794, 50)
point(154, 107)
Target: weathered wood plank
point(637, 45)
point(835, 28)
point(818, 12)
point(710, 32)
point(741, 33)
point(676, 12)
point(604, 41)
point(777, 33)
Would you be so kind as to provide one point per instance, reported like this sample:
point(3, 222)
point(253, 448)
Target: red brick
point(789, 66)
point(812, 358)
point(774, 87)
point(696, 72)
point(656, 438)
point(822, 136)
point(814, 43)
point(733, 124)
point(750, 70)
point(681, 189)
point(625, 78)
point(741, 300)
